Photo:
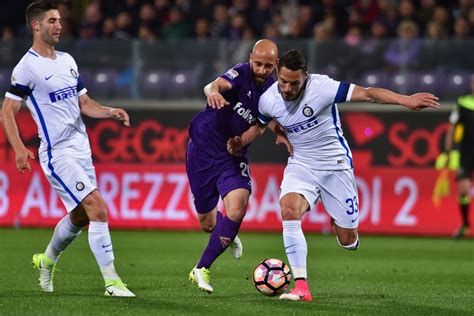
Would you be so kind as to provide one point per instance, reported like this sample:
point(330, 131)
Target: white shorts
point(336, 188)
point(72, 178)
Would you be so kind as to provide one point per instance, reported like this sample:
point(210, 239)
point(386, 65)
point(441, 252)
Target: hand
point(235, 145)
point(419, 101)
point(282, 139)
point(21, 160)
point(216, 100)
point(120, 115)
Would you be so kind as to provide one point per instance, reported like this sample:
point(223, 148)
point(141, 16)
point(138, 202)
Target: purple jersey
point(211, 128)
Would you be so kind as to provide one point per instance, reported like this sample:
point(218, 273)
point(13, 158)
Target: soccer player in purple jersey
point(232, 101)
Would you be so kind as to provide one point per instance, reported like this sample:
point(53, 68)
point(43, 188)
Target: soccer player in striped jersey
point(321, 166)
point(50, 83)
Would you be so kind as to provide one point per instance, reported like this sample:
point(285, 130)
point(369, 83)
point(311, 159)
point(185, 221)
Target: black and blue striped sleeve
point(342, 91)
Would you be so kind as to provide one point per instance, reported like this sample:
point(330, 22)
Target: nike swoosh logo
point(110, 292)
point(47, 78)
point(290, 246)
point(354, 219)
point(105, 246)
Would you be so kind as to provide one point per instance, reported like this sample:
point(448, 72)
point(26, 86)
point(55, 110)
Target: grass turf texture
point(386, 276)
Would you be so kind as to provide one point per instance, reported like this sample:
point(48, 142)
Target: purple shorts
point(210, 177)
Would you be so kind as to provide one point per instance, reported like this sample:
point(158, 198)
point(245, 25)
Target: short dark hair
point(293, 60)
point(37, 9)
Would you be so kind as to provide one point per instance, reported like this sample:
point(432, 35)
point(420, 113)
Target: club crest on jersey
point(232, 74)
point(63, 94)
point(80, 186)
point(13, 80)
point(307, 111)
point(74, 73)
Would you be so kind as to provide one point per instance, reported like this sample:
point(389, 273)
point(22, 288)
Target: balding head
point(265, 47)
point(263, 60)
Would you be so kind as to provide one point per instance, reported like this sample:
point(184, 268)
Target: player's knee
point(207, 227)
point(349, 241)
point(95, 207)
point(236, 215)
point(289, 213)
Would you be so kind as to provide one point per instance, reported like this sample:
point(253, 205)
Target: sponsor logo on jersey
point(231, 74)
point(307, 111)
point(63, 94)
point(299, 127)
point(246, 114)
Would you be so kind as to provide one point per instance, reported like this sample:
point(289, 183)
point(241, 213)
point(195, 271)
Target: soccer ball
point(271, 277)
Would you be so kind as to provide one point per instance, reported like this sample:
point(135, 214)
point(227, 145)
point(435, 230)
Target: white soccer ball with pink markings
point(271, 277)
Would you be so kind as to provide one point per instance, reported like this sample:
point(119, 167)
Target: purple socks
point(223, 234)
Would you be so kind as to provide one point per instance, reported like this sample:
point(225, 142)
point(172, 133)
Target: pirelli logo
point(63, 94)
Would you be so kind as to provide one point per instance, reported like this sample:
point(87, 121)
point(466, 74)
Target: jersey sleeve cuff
point(12, 96)
point(349, 92)
point(264, 120)
point(83, 91)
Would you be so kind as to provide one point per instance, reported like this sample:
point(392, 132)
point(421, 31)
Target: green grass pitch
point(386, 276)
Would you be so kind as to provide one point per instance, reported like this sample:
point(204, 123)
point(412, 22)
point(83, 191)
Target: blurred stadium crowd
point(244, 19)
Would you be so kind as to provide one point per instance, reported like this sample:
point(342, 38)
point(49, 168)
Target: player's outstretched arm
point(235, 144)
point(213, 92)
point(9, 109)
point(91, 108)
point(280, 136)
point(414, 102)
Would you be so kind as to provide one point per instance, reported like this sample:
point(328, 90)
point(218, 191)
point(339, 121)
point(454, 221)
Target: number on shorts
point(353, 205)
point(245, 169)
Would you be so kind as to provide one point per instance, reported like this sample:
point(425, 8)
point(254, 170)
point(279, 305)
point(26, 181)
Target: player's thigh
point(298, 191)
point(202, 176)
point(72, 178)
point(339, 196)
point(234, 185)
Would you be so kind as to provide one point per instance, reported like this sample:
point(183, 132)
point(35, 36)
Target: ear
point(35, 26)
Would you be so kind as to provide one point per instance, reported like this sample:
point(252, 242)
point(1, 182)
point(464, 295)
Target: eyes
point(266, 66)
point(54, 20)
point(291, 83)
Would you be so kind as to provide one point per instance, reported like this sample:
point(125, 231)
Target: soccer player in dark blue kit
point(232, 103)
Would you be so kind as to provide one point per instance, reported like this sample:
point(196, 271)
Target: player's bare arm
point(9, 109)
point(214, 92)
point(414, 102)
point(91, 108)
point(235, 144)
point(280, 136)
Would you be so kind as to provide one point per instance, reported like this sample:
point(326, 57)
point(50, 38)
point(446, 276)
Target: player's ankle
point(301, 283)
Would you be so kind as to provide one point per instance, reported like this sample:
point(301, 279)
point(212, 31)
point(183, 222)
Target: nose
point(260, 70)
point(285, 88)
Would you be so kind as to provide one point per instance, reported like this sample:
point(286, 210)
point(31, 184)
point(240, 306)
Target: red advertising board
point(392, 200)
